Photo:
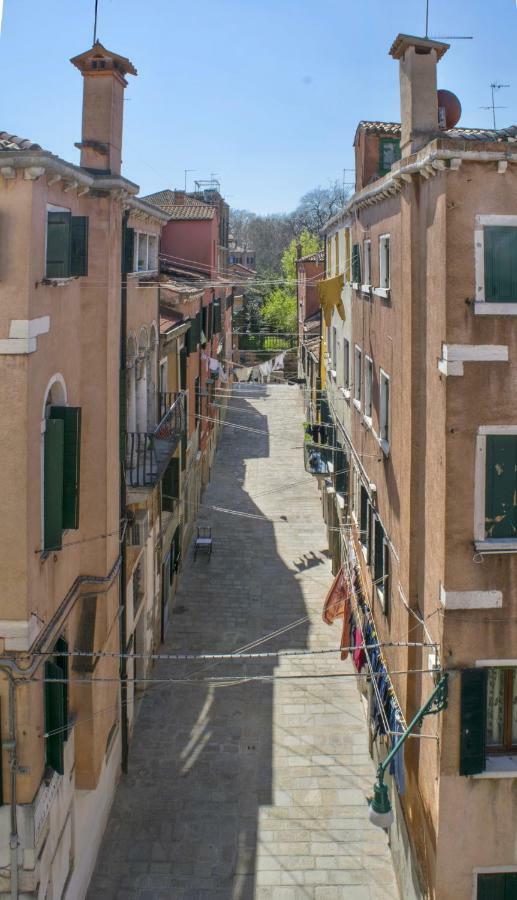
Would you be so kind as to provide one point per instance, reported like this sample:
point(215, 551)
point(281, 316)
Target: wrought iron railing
point(149, 453)
point(247, 340)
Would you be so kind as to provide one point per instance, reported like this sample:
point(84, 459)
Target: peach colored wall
point(191, 244)
point(82, 345)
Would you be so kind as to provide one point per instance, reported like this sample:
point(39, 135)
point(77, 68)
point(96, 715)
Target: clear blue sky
point(265, 93)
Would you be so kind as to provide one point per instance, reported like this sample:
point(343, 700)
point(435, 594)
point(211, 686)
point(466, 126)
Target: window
point(367, 258)
point(384, 261)
point(347, 255)
point(61, 469)
point(146, 252)
point(329, 257)
point(381, 565)
point(384, 415)
point(346, 363)
point(495, 487)
point(56, 707)
point(334, 348)
point(336, 254)
point(356, 264)
point(67, 244)
point(357, 375)
point(171, 485)
point(500, 257)
point(368, 381)
point(488, 717)
point(364, 519)
point(389, 153)
point(497, 886)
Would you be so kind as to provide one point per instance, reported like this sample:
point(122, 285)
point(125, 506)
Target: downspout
point(10, 746)
point(122, 443)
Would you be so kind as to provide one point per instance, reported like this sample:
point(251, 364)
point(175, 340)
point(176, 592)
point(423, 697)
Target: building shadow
point(185, 820)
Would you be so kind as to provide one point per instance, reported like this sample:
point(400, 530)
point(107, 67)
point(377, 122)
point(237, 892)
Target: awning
point(330, 297)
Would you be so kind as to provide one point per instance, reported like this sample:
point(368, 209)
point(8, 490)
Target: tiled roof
point(458, 134)
point(169, 321)
point(189, 208)
point(12, 142)
point(317, 257)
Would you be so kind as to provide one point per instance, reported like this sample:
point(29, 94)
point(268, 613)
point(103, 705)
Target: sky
point(266, 94)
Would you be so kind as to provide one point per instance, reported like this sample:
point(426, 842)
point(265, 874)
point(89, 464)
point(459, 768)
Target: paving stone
point(255, 790)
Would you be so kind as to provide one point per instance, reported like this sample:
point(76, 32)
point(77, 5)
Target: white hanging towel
point(278, 363)
point(214, 364)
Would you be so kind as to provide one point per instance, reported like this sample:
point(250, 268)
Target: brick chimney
point(418, 94)
point(103, 107)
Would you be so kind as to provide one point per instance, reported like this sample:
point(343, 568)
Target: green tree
point(279, 311)
point(309, 243)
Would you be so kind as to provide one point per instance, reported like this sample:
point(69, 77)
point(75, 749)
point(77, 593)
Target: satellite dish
point(449, 110)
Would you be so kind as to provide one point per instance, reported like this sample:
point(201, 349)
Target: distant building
point(240, 256)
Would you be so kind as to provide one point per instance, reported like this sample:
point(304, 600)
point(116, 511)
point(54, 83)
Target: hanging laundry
point(278, 363)
point(336, 599)
point(358, 656)
point(214, 364)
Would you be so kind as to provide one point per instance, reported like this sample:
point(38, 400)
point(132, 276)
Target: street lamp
point(380, 812)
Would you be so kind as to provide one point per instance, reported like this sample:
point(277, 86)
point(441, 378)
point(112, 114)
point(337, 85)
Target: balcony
point(148, 453)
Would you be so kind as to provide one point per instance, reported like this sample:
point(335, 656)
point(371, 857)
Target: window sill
point(382, 292)
point(366, 289)
point(504, 545)
point(499, 767)
point(367, 421)
point(485, 308)
point(346, 393)
point(58, 282)
point(356, 286)
point(332, 373)
point(357, 404)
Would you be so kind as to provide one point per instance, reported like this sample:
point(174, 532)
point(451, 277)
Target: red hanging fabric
point(336, 599)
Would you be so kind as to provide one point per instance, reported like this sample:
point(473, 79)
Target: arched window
point(61, 433)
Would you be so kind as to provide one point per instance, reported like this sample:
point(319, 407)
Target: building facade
point(419, 377)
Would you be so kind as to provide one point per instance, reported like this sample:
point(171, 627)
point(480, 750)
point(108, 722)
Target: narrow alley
point(250, 788)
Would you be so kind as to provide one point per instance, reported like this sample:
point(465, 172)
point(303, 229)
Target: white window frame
point(367, 266)
point(384, 281)
point(368, 390)
point(358, 374)
point(481, 305)
point(480, 539)
point(148, 258)
point(346, 367)
point(384, 411)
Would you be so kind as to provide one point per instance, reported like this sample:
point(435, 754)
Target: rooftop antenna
point(495, 86)
point(186, 171)
point(95, 22)
point(442, 37)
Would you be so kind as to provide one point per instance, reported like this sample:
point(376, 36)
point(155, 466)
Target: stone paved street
point(255, 789)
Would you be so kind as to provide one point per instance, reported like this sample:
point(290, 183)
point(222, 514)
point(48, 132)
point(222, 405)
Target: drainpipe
point(123, 512)
point(10, 746)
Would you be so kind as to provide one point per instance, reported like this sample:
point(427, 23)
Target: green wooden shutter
point(378, 565)
point(183, 369)
point(473, 721)
point(501, 486)
point(79, 245)
point(500, 249)
point(341, 481)
point(54, 718)
point(128, 250)
point(71, 418)
point(217, 317)
point(510, 886)
point(491, 887)
point(58, 244)
point(170, 484)
point(62, 662)
point(53, 484)
point(356, 264)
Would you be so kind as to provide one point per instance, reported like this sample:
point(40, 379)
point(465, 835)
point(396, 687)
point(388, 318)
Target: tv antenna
point(186, 172)
point(495, 86)
point(442, 37)
point(95, 22)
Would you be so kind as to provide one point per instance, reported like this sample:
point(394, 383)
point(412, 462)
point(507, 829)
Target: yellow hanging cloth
point(330, 297)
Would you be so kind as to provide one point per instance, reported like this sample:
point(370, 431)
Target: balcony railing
point(264, 341)
point(148, 453)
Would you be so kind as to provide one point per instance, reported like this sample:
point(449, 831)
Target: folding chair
point(203, 540)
